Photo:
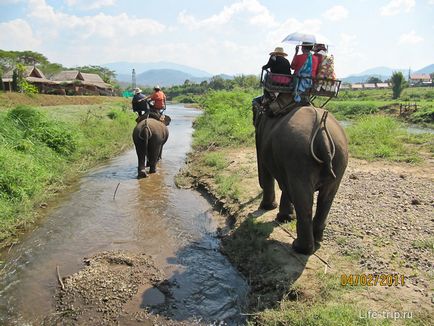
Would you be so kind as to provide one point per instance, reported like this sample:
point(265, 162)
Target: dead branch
point(59, 278)
point(116, 190)
point(315, 254)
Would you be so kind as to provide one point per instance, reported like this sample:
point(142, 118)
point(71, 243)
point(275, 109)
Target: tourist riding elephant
point(305, 151)
point(149, 136)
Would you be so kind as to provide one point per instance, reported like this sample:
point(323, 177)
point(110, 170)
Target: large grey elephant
point(149, 136)
point(305, 150)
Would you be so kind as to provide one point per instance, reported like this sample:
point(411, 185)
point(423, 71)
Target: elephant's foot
point(302, 249)
point(148, 164)
point(268, 206)
point(317, 245)
point(285, 218)
point(142, 174)
point(318, 235)
point(152, 170)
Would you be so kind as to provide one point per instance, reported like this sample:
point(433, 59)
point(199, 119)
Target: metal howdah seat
point(277, 82)
point(325, 87)
point(282, 83)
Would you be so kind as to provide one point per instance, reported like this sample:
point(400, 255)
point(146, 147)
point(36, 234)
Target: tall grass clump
point(380, 137)
point(39, 153)
point(352, 109)
point(227, 119)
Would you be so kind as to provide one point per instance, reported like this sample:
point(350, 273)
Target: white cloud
point(261, 15)
point(348, 56)
point(395, 7)
point(336, 13)
point(17, 35)
point(431, 2)
point(410, 38)
point(90, 5)
point(88, 27)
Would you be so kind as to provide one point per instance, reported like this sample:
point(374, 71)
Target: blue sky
point(219, 36)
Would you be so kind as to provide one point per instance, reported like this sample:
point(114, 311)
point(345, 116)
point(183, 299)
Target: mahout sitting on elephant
point(305, 150)
point(149, 136)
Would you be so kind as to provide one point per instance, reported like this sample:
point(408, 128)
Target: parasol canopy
point(299, 38)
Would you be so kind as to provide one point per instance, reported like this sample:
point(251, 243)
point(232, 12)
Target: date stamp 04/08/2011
point(372, 280)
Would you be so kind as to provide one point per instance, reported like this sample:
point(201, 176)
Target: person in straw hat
point(139, 102)
point(277, 63)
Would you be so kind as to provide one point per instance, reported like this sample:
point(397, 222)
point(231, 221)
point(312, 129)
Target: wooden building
point(80, 83)
point(32, 75)
point(420, 79)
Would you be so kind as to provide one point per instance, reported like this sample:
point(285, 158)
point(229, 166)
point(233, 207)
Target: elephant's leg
point(141, 150)
point(266, 181)
point(324, 203)
point(153, 158)
point(303, 201)
point(286, 209)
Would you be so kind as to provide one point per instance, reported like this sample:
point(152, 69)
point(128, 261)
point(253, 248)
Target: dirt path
point(382, 222)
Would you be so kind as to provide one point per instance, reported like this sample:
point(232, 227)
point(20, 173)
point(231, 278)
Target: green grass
point(228, 186)
point(424, 244)
point(351, 109)
point(39, 153)
point(352, 104)
point(227, 120)
point(327, 314)
point(381, 137)
point(215, 160)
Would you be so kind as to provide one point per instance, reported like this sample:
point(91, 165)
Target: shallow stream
point(175, 226)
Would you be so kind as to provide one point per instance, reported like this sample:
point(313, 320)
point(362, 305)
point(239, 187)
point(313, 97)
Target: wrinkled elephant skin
point(283, 146)
point(149, 136)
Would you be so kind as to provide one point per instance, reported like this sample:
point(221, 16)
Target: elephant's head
point(257, 109)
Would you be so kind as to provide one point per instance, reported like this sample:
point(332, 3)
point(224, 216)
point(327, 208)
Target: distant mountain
point(353, 79)
point(383, 73)
point(425, 70)
point(166, 77)
point(380, 72)
point(124, 69)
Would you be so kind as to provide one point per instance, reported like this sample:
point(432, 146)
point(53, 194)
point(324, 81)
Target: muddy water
point(150, 215)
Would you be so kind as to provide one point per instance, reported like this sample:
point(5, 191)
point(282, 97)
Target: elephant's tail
point(326, 142)
point(145, 133)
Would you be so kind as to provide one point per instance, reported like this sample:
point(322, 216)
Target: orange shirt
point(159, 99)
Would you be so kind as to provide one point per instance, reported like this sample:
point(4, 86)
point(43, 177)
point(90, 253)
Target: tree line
point(16, 59)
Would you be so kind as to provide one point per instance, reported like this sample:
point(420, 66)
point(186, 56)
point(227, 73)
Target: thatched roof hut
point(84, 78)
point(31, 74)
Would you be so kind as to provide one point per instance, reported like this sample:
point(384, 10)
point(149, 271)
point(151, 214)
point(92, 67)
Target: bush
point(373, 137)
point(38, 153)
point(227, 120)
point(25, 116)
point(35, 126)
point(352, 109)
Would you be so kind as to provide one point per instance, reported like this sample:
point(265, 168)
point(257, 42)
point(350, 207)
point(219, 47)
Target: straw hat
point(279, 51)
point(137, 90)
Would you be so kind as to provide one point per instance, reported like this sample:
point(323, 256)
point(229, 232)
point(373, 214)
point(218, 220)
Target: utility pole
point(133, 81)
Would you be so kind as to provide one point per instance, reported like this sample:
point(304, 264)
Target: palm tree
point(398, 84)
